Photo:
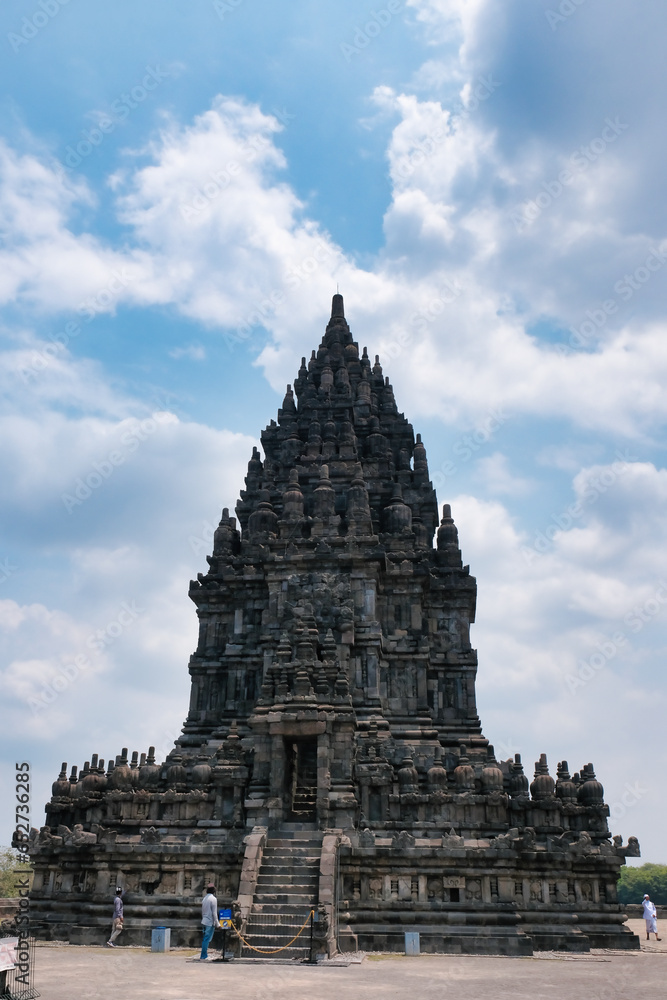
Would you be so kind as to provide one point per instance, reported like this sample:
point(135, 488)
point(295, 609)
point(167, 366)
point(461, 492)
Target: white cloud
point(494, 473)
point(193, 352)
point(44, 262)
point(97, 659)
point(211, 203)
point(570, 638)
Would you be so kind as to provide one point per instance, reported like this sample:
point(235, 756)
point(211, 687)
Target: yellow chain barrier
point(264, 951)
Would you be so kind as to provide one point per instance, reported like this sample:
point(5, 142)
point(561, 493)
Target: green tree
point(634, 882)
point(10, 862)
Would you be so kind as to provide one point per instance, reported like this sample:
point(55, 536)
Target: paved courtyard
point(67, 973)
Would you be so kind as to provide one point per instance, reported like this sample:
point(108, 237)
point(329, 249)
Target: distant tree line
point(9, 864)
point(634, 882)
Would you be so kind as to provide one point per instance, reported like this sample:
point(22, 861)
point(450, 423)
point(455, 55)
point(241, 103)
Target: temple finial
point(337, 308)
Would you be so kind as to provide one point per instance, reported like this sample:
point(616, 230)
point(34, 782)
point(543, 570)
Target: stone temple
point(332, 756)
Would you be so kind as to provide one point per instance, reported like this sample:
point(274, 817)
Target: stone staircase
point(304, 794)
point(286, 891)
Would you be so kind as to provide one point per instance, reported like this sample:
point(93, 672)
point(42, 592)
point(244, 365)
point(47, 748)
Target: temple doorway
point(301, 778)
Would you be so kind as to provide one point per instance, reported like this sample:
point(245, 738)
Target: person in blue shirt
point(117, 919)
point(209, 920)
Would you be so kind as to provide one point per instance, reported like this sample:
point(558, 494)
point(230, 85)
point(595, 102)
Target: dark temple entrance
point(301, 775)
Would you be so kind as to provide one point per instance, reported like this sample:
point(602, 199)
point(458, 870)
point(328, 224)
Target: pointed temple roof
point(342, 413)
point(337, 530)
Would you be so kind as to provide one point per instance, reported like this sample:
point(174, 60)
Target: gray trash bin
point(161, 939)
point(411, 942)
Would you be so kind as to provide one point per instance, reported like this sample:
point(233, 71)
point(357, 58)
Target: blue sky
point(182, 187)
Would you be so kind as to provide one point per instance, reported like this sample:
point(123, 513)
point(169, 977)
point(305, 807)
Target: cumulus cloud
point(112, 509)
point(576, 674)
point(218, 234)
point(44, 262)
point(193, 352)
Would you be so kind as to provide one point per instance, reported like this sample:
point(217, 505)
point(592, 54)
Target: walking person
point(209, 920)
point(650, 916)
point(117, 919)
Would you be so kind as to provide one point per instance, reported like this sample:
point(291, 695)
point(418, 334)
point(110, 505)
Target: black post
point(224, 940)
point(311, 937)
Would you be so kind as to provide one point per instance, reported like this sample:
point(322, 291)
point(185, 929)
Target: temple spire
point(337, 307)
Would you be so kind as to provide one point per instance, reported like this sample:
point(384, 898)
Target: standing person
point(117, 919)
point(650, 916)
point(209, 920)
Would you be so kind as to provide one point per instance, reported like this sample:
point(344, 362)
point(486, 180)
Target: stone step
point(281, 933)
point(284, 889)
point(294, 953)
point(287, 885)
point(290, 911)
point(285, 866)
point(285, 858)
point(301, 891)
point(285, 931)
point(287, 844)
point(268, 893)
point(284, 898)
point(270, 941)
point(279, 878)
point(286, 849)
point(296, 865)
point(292, 860)
point(293, 878)
point(298, 830)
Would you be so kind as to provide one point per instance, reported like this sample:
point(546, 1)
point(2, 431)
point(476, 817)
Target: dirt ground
point(66, 972)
